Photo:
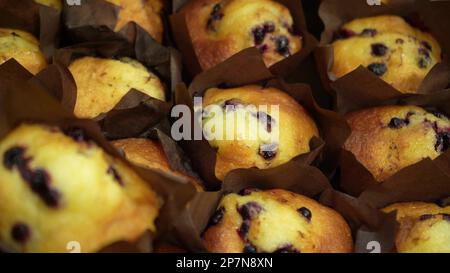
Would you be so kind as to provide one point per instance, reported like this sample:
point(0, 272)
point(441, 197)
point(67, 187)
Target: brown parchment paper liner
point(184, 44)
point(247, 68)
point(42, 21)
point(355, 178)
point(191, 222)
point(136, 112)
point(431, 14)
point(95, 20)
point(372, 229)
point(177, 159)
point(23, 99)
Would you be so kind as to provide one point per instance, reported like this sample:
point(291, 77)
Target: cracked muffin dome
point(23, 47)
point(389, 138)
point(150, 154)
point(102, 83)
point(145, 13)
point(424, 227)
point(275, 221)
point(56, 4)
point(58, 187)
point(389, 47)
point(220, 29)
point(256, 139)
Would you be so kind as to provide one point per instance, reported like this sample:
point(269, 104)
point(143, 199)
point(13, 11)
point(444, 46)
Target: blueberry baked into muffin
point(57, 186)
point(389, 47)
point(275, 221)
point(424, 227)
point(23, 47)
point(145, 13)
point(220, 29)
point(388, 138)
point(261, 139)
point(149, 154)
point(102, 83)
point(56, 4)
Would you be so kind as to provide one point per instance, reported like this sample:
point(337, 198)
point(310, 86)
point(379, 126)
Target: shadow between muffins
point(23, 99)
point(430, 14)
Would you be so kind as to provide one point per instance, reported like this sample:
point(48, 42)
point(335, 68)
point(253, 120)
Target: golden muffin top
point(102, 83)
point(145, 13)
point(389, 47)
point(388, 138)
point(244, 124)
point(59, 187)
point(424, 227)
point(23, 47)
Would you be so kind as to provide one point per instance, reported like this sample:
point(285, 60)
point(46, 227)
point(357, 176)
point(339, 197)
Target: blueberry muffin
point(149, 154)
point(145, 13)
point(245, 128)
point(221, 28)
point(389, 47)
point(101, 83)
point(275, 221)
point(389, 138)
point(168, 248)
point(57, 186)
point(56, 4)
point(23, 47)
point(424, 227)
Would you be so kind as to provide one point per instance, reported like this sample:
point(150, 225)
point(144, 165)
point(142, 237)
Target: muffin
point(23, 47)
point(57, 187)
point(56, 4)
point(389, 47)
point(424, 227)
point(220, 29)
point(145, 13)
point(275, 221)
point(150, 154)
point(389, 138)
point(258, 140)
point(102, 83)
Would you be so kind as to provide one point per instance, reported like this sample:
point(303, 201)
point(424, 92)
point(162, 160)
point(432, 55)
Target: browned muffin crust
point(222, 28)
point(389, 138)
point(149, 154)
